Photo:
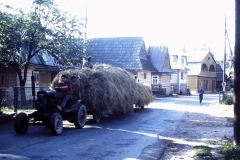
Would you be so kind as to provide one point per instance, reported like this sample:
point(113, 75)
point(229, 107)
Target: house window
point(155, 79)
point(3, 79)
point(204, 67)
point(207, 84)
point(212, 68)
point(145, 75)
point(36, 75)
point(182, 75)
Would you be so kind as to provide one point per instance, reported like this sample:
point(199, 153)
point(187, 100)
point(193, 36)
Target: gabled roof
point(125, 52)
point(195, 61)
point(158, 54)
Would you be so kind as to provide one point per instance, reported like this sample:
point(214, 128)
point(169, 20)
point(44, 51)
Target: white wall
point(165, 82)
point(145, 80)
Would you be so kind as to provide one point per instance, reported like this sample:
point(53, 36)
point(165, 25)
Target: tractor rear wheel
point(97, 116)
point(80, 116)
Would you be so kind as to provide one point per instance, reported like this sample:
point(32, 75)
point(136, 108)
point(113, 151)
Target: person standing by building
point(188, 91)
point(200, 93)
point(88, 64)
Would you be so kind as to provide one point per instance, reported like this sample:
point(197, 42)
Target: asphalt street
point(142, 134)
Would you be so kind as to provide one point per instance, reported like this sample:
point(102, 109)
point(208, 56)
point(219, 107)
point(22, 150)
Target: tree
point(45, 29)
point(237, 75)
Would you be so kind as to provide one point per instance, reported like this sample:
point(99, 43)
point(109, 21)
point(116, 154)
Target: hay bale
point(105, 88)
point(143, 96)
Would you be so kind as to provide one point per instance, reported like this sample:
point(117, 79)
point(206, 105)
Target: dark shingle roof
point(158, 54)
point(125, 52)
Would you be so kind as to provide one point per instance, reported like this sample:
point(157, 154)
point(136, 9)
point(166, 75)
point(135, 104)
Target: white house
point(179, 79)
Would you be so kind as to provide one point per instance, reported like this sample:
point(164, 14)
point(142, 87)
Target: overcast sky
point(160, 22)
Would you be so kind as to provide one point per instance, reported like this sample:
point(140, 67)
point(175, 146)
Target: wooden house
point(9, 78)
point(159, 57)
point(202, 71)
point(128, 53)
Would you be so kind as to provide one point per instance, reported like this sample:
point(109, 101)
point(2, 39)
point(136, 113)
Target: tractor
point(49, 115)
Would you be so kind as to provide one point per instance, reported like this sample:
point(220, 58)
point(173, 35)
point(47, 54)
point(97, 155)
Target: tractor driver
point(64, 91)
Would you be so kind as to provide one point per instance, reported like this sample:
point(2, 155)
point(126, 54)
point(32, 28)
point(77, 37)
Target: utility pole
point(237, 75)
point(224, 59)
point(85, 37)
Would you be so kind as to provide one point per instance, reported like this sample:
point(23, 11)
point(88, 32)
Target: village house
point(10, 80)
point(179, 79)
point(159, 57)
point(202, 71)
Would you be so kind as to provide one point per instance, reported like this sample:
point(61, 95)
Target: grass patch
point(203, 152)
point(224, 150)
point(228, 150)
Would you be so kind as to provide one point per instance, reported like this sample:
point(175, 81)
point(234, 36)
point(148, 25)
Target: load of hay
point(106, 89)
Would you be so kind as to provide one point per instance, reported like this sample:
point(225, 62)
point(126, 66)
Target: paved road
point(142, 134)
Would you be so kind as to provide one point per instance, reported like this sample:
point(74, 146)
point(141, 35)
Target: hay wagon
point(106, 90)
point(99, 91)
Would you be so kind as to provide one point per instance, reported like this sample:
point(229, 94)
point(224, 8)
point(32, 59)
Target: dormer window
point(183, 62)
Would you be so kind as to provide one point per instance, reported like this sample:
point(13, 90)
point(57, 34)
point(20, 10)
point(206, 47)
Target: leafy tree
point(45, 29)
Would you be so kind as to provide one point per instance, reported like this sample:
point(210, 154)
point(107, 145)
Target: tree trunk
point(237, 75)
point(22, 82)
point(23, 96)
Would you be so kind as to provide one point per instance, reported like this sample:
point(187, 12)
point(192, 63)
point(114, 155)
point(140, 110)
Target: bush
point(229, 100)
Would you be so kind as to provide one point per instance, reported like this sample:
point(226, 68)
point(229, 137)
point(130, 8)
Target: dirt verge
point(206, 128)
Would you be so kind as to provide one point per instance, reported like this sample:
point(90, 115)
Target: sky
point(175, 23)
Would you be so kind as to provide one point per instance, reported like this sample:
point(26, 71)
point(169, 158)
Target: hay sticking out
point(107, 89)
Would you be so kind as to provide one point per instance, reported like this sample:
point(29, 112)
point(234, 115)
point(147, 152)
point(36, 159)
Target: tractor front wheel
point(56, 124)
point(21, 123)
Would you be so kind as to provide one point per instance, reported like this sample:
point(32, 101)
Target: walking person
point(200, 93)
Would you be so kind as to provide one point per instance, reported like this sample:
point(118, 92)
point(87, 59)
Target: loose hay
point(107, 89)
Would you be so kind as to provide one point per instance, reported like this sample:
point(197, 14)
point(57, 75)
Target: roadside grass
point(229, 150)
point(203, 152)
point(224, 149)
